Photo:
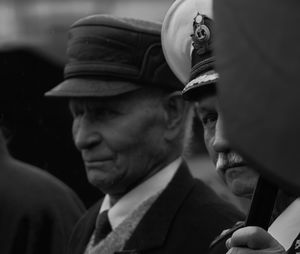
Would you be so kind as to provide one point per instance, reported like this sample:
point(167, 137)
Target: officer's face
point(231, 167)
point(120, 139)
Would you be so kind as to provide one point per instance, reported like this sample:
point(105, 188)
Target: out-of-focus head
point(128, 115)
point(187, 36)
point(266, 64)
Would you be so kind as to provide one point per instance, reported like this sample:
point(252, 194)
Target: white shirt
point(131, 200)
point(286, 227)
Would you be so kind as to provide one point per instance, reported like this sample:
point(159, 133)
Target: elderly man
point(189, 24)
point(128, 124)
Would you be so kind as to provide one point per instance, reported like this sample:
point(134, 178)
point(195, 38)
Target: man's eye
point(209, 119)
point(76, 109)
point(76, 112)
point(104, 113)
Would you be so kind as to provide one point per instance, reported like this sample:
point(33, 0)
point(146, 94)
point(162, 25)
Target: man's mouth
point(94, 158)
point(224, 164)
point(228, 166)
point(95, 164)
point(229, 161)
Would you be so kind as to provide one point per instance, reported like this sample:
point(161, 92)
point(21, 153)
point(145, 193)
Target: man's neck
point(115, 197)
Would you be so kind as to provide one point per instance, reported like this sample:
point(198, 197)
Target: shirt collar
point(286, 226)
point(131, 200)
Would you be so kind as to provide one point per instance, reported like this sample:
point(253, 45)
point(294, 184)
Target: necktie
point(103, 227)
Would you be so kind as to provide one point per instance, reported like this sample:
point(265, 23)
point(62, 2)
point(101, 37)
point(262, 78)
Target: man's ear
point(175, 114)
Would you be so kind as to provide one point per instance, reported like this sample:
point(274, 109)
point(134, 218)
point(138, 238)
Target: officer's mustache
point(229, 160)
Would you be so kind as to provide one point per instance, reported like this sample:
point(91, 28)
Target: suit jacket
point(37, 211)
point(185, 218)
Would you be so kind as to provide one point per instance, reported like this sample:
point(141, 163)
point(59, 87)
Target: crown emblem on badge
point(202, 34)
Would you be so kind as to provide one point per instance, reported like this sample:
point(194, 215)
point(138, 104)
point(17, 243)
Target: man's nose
point(220, 143)
point(85, 134)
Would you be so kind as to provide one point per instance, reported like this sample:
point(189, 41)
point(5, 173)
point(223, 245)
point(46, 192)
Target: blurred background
point(43, 23)
point(33, 36)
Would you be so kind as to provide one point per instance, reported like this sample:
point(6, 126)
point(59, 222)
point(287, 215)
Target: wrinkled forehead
point(90, 103)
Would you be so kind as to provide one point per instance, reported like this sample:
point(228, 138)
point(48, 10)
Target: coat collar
point(135, 197)
point(80, 238)
point(161, 214)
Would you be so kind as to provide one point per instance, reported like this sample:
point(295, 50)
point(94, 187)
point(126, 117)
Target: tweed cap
point(187, 44)
point(108, 56)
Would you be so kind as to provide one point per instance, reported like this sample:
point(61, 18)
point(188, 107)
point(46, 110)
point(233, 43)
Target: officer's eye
point(209, 119)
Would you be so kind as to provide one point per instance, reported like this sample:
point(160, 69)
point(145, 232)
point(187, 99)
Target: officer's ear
point(175, 114)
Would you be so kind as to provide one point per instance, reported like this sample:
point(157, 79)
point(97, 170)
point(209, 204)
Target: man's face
point(240, 178)
point(120, 139)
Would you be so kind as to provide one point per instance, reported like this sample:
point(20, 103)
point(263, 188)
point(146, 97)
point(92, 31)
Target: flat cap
point(187, 44)
point(108, 56)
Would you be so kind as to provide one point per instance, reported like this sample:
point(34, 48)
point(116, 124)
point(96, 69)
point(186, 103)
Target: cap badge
point(201, 36)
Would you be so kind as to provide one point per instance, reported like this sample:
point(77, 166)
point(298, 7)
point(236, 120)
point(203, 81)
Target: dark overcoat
point(37, 211)
point(185, 218)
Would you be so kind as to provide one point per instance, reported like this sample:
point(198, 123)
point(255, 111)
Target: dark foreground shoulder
point(27, 186)
point(38, 212)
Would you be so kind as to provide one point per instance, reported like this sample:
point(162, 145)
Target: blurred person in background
point(38, 212)
point(37, 126)
point(189, 24)
point(128, 124)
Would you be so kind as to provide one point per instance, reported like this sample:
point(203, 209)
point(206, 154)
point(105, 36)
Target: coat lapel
point(153, 228)
point(80, 239)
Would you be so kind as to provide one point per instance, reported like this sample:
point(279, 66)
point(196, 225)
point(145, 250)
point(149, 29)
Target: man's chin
point(99, 181)
point(104, 182)
point(241, 189)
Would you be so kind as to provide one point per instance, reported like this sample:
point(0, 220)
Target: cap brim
point(78, 87)
point(194, 88)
